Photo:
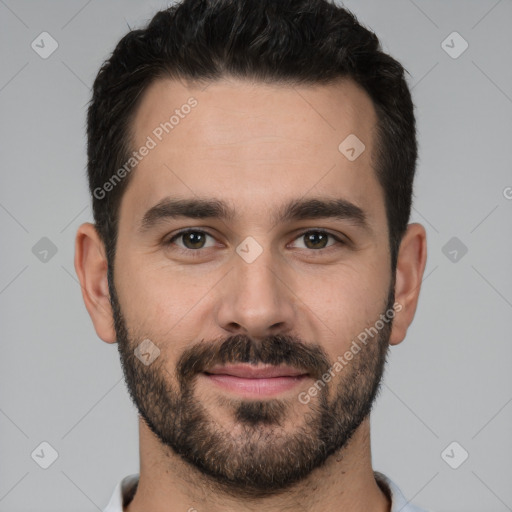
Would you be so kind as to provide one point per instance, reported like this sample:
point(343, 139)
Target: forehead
point(256, 145)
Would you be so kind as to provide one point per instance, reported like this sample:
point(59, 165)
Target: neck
point(345, 482)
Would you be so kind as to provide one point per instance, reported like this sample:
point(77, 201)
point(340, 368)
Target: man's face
point(254, 290)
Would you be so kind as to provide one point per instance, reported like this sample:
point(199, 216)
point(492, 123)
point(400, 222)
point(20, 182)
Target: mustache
point(271, 350)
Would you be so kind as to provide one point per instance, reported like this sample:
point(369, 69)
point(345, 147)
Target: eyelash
point(195, 253)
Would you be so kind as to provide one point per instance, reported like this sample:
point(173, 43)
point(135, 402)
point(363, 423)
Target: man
point(251, 165)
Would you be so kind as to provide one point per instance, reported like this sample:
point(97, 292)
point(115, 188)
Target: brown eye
point(192, 239)
point(317, 239)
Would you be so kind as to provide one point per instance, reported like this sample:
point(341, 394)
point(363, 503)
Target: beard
point(258, 457)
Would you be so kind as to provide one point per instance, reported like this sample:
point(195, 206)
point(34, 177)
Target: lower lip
point(255, 387)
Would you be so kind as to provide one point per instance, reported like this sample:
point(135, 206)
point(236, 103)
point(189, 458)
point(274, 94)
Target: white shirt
point(125, 491)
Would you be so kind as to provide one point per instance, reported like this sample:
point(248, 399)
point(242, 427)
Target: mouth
point(256, 381)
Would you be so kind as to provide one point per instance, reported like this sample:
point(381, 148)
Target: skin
point(256, 146)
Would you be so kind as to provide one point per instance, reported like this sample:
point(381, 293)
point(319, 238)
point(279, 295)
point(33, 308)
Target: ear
point(91, 268)
point(412, 257)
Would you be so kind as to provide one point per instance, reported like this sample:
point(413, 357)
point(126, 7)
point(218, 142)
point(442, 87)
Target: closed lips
point(252, 372)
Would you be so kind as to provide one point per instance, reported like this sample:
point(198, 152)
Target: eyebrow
point(296, 209)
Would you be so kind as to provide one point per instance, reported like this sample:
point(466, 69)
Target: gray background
point(450, 380)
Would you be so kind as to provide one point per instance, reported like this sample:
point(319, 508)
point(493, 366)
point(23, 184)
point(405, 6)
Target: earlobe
point(91, 268)
point(412, 258)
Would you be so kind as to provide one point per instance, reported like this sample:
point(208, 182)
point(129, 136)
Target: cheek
point(159, 303)
point(348, 300)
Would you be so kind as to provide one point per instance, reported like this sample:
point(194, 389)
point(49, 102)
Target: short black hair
point(295, 42)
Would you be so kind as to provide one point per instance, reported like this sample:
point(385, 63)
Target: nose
point(257, 298)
